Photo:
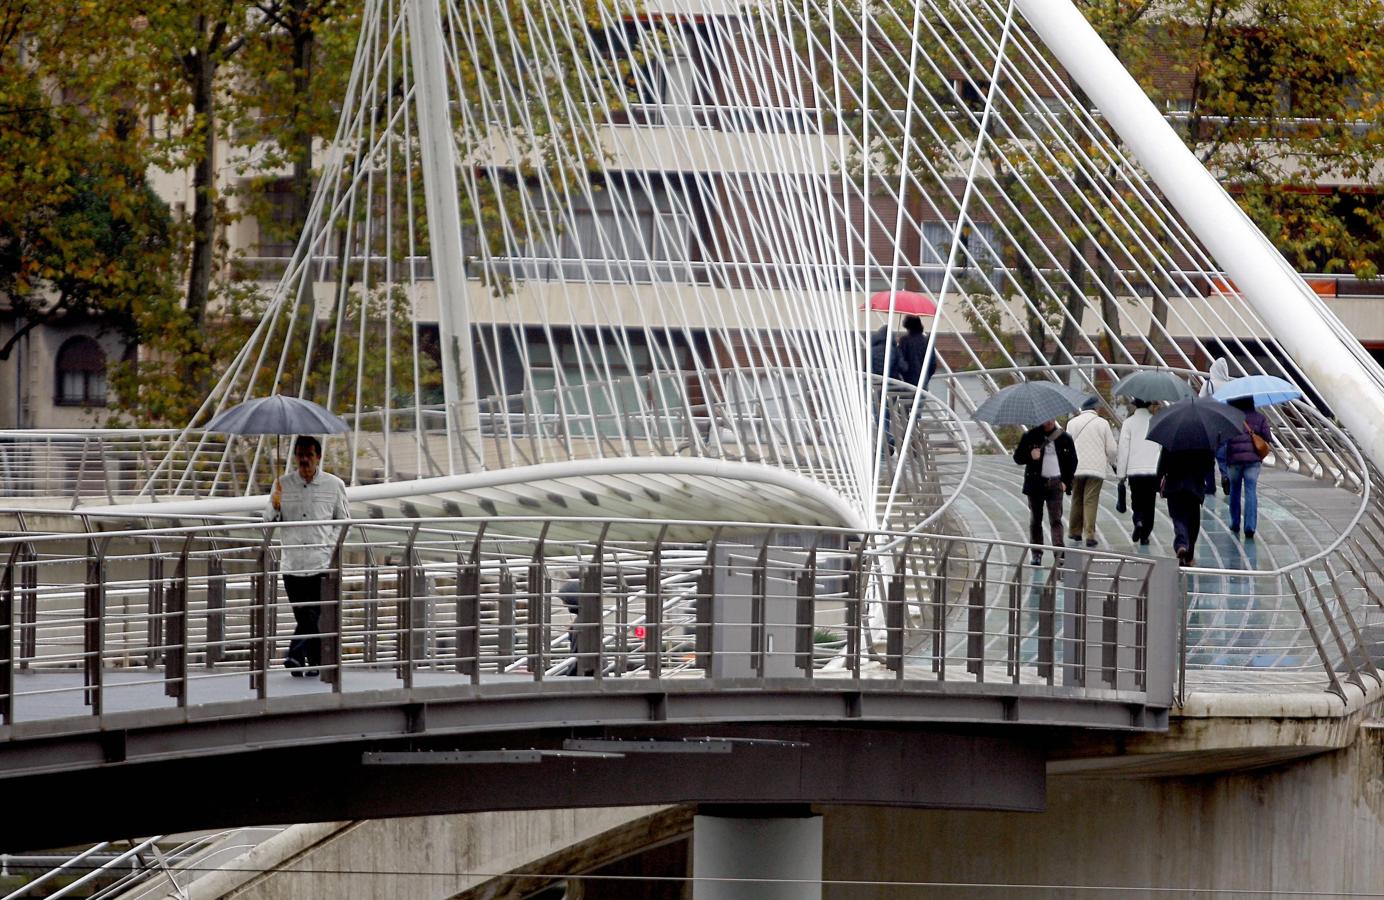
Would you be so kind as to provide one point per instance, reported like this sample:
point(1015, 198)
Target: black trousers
point(1050, 500)
point(1185, 511)
point(305, 594)
point(1143, 497)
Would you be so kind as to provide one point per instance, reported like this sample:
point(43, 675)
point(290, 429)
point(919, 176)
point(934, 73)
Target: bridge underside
point(791, 762)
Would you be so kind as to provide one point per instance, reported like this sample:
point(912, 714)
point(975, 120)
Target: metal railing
point(99, 464)
point(121, 619)
point(775, 416)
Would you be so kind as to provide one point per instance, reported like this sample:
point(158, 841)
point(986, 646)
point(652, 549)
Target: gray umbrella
point(1154, 387)
point(277, 414)
point(1029, 403)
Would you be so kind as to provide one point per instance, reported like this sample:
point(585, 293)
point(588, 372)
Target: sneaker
point(294, 666)
point(1037, 557)
point(1092, 542)
point(1249, 535)
point(310, 673)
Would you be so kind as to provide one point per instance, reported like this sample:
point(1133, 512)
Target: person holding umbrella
point(1189, 432)
point(1046, 452)
point(1136, 461)
point(1048, 456)
point(306, 494)
point(1245, 451)
point(913, 352)
point(1244, 464)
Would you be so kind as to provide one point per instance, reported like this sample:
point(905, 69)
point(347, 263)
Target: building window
point(977, 251)
point(81, 373)
point(278, 225)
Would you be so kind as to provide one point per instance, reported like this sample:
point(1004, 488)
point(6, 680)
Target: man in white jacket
point(307, 494)
point(1137, 461)
point(1095, 458)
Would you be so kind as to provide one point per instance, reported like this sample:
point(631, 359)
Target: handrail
point(449, 607)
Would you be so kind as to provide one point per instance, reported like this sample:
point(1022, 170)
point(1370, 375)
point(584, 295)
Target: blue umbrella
point(1265, 389)
point(277, 414)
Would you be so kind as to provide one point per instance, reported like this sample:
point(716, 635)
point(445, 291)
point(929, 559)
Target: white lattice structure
point(646, 235)
point(614, 261)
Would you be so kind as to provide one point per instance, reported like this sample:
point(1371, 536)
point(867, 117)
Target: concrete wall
point(428, 856)
point(1314, 826)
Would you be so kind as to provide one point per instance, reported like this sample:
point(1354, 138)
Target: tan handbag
point(1261, 446)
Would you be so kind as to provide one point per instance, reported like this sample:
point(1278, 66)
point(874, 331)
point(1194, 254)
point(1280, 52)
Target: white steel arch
point(553, 232)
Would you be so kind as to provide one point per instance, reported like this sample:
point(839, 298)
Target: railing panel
point(416, 602)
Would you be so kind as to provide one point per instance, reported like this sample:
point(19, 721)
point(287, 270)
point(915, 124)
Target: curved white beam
point(1349, 383)
point(817, 498)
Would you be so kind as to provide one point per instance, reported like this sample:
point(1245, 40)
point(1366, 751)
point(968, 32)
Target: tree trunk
point(1158, 325)
point(203, 192)
point(303, 40)
point(1074, 296)
point(1115, 351)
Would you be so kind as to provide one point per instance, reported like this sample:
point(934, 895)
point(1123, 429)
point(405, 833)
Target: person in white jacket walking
point(1137, 461)
point(307, 494)
point(1095, 458)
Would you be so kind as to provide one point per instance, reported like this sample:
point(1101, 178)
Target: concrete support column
point(782, 844)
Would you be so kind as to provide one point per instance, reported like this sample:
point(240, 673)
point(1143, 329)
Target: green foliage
point(82, 235)
point(1287, 108)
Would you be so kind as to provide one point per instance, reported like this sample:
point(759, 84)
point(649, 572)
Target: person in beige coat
point(1096, 447)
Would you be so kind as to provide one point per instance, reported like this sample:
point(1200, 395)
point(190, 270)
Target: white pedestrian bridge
point(144, 644)
point(624, 497)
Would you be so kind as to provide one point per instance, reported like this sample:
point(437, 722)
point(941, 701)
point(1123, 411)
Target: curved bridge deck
point(122, 632)
point(1258, 619)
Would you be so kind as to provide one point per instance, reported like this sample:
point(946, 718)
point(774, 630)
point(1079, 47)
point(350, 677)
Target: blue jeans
point(1244, 478)
point(1211, 475)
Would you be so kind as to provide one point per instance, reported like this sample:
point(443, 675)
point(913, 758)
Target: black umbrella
point(1155, 387)
point(1197, 424)
point(1029, 403)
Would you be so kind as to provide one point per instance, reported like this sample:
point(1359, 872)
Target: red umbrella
point(909, 303)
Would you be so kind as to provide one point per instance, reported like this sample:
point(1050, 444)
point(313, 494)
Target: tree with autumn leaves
point(82, 234)
point(1283, 100)
point(95, 97)
point(1281, 97)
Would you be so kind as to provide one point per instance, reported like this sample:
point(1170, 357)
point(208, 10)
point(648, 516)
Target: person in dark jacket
point(884, 360)
point(913, 351)
point(1183, 474)
point(1243, 465)
point(1048, 456)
